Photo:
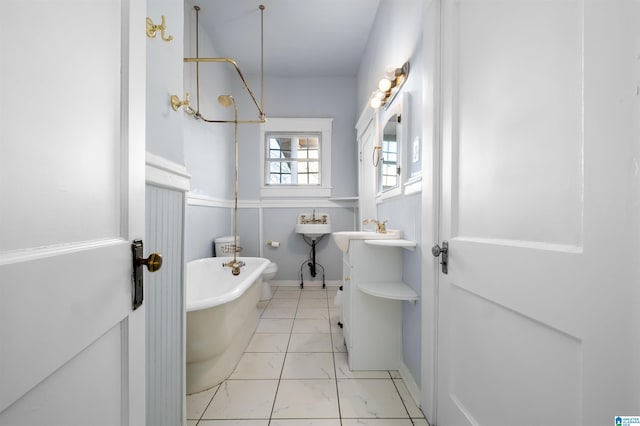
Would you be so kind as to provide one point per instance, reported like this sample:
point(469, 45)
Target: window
point(296, 155)
point(293, 159)
point(389, 166)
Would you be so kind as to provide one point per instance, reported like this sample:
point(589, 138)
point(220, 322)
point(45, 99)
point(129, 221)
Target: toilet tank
point(223, 246)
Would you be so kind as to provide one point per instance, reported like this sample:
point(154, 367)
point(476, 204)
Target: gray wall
point(322, 97)
point(278, 225)
point(165, 224)
point(312, 97)
point(208, 156)
point(210, 160)
point(164, 307)
point(404, 212)
point(203, 224)
point(208, 148)
point(164, 78)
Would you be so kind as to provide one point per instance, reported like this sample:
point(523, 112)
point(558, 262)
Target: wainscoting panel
point(164, 302)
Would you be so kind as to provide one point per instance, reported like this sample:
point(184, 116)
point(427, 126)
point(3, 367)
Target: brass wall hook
point(176, 103)
point(152, 29)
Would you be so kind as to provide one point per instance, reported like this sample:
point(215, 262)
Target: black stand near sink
point(311, 261)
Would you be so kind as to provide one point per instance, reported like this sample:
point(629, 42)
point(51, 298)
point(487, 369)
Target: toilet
point(267, 275)
point(222, 243)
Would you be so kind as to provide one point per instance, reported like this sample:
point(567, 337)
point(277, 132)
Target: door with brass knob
point(153, 264)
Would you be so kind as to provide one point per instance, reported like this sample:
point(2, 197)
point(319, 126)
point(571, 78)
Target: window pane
point(279, 179)
point(279, 147)
point(302, 150)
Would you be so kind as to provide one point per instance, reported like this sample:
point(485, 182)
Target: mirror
point(391, 148)
point(388, 169)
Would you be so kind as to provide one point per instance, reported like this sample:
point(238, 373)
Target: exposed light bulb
point(384, 84)
point(375, 102)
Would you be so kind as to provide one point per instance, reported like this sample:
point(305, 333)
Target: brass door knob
point(153, 262)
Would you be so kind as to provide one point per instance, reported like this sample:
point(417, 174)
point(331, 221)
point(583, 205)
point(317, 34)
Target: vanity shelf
point(405, 244)
point(394, 290)
point(372, 299)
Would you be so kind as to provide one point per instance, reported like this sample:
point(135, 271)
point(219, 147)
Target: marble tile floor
point(294, 372)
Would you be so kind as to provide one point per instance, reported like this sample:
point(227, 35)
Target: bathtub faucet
point(235, 266)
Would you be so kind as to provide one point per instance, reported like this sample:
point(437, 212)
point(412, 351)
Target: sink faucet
point(381, 227)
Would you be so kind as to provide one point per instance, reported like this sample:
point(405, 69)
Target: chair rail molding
point(166, 174)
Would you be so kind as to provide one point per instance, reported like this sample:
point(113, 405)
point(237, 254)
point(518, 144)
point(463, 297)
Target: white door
point(538, 314)
point(367, 131)
point(71, 201)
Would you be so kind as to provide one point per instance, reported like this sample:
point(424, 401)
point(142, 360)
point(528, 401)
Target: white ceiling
point(301, 37)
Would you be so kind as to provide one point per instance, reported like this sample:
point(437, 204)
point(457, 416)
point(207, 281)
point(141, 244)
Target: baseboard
point(307, 283)
point(411, 384)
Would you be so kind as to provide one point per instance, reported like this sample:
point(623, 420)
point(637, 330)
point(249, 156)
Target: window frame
point(294, 158)
point(321, 126)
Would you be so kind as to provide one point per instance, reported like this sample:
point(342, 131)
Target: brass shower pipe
point(197, 60)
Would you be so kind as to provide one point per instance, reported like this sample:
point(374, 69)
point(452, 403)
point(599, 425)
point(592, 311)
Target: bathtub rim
point(246, 282)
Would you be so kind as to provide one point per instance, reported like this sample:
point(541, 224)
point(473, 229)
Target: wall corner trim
point(166, 174)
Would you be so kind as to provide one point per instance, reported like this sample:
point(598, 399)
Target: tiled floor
point(294, 372)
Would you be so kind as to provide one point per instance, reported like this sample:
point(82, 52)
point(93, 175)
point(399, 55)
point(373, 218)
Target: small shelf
point(355, 198)
point(405, 244)
point(394, 290)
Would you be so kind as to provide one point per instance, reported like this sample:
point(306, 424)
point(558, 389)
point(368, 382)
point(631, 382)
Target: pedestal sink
point(342, 238)
point(312, 226)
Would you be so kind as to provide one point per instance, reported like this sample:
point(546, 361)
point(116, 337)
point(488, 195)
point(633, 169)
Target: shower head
point(226, 100)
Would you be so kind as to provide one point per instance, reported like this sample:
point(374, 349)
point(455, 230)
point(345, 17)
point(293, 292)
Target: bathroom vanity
point(373, 292)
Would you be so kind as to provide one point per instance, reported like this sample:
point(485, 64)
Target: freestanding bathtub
point(222, 314)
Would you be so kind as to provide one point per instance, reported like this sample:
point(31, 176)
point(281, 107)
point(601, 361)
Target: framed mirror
point(391, 147)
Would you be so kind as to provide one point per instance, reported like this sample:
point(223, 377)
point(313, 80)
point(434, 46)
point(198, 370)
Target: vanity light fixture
point(389, 86)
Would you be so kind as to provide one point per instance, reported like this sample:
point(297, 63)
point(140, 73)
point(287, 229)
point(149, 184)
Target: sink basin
point(313, 230)
point(342, 238)
point(313, 225)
